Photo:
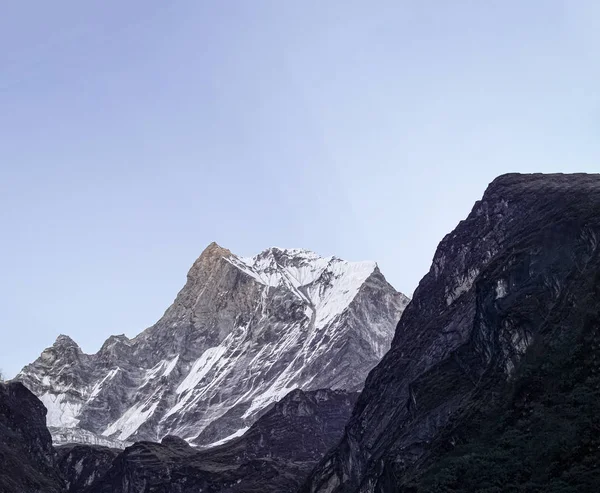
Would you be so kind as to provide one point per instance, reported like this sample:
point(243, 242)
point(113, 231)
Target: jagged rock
point(174, 442)
point(274, 455)
point(521, 270)
point(27, 459)
point(81, 465)
point(241, 334)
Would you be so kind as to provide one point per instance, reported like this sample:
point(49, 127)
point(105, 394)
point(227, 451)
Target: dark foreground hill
point(274, 455)
point(27, 459)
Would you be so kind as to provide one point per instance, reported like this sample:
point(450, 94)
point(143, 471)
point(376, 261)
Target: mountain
point(241, 334)
point(27, 459)
point(491, 382)
point(274, 455)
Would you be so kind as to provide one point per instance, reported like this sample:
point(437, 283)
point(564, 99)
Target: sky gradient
point(132, 134)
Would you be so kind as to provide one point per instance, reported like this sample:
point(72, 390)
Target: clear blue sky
point(132, 134)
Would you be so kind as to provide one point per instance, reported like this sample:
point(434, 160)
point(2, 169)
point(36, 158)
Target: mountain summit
point(241, 334)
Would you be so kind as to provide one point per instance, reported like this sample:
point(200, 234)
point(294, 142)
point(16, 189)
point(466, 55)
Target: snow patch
point(276, 392)
point(236, 434)
point(201, 367)
point(98, 386)
point(501, 289)
point(161, 369)
point(333, 298)
point(61, 411)
point(79, 466)
point(133, 418)
point(170, 366)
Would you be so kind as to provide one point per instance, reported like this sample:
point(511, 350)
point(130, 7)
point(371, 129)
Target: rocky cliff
point(518, 278)
point(27, 459)
point(81, 465)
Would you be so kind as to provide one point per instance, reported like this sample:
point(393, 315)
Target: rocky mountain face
point(81, 465)
point(27, 459)
point(241, 334)
point(274, 455)
point(504, 326)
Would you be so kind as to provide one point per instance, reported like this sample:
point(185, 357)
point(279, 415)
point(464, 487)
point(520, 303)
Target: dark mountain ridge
point(519, 272)
point(274, 455)
point(27, 459)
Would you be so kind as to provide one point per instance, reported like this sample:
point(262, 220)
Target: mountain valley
point(254, 379)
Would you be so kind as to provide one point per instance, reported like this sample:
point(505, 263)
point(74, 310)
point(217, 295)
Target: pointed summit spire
point(214, 250)
point(208, 259)
point(65, 341)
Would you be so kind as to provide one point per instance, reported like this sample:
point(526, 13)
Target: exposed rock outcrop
point(81, 465)
point(27, 459)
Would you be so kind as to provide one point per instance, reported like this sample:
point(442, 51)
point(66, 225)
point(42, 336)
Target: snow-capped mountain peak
point(327, 284)
point(240, 335)
point(300, 267)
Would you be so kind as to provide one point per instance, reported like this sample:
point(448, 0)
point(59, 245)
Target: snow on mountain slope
point(64, 435)
point(241, 334)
